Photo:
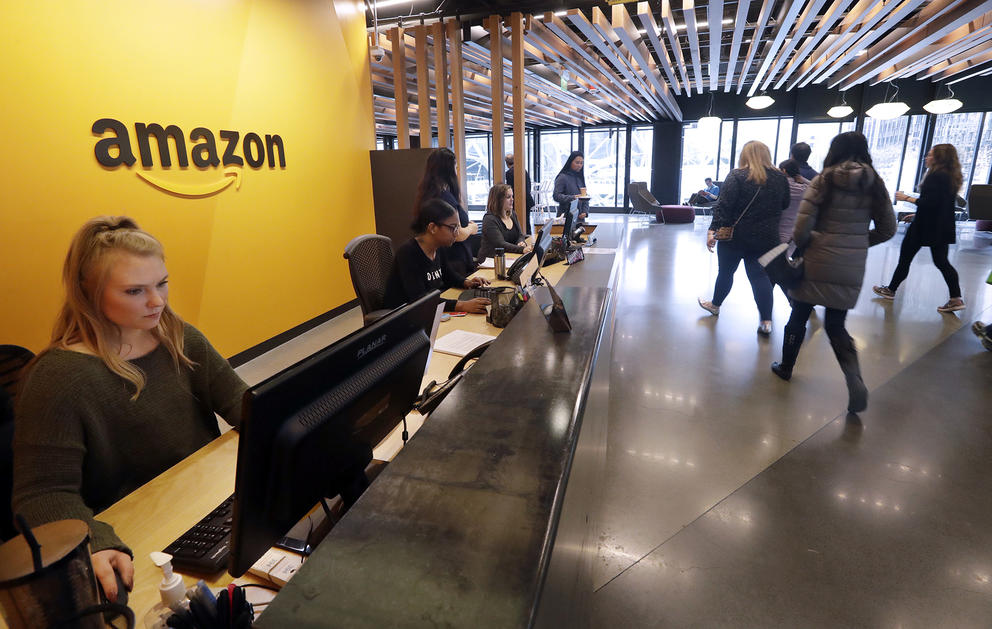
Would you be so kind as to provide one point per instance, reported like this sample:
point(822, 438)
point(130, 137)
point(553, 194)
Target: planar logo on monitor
point(363, 351)
point(230, 151)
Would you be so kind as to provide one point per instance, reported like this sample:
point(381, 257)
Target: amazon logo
point(113, 149)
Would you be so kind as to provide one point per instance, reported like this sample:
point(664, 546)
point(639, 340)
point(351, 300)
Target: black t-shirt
point(414, 275)
point(459, 255)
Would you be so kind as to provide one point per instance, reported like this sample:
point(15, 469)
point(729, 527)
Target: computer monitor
point(307, 432)
point(535, 259)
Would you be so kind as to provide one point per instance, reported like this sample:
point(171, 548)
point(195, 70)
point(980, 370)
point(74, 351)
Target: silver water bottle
point(499, 259)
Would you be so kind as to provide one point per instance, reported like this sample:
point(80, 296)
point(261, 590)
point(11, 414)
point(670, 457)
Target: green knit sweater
point(81, 444)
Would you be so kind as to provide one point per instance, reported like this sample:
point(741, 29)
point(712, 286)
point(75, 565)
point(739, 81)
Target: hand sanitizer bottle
point(172, 590)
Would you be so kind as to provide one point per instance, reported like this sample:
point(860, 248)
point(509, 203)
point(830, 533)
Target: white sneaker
point(708, 306)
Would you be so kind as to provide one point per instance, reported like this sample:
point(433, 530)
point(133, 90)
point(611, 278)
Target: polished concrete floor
point(734, 499)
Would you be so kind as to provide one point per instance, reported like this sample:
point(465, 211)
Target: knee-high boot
point(847, 357)
point(790, 351)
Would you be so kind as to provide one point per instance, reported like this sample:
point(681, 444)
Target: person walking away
point(752, 200)
point(833, 230)
point(800, 152)
point(797, 188)
point(933, 224)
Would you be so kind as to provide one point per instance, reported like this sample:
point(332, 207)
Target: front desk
point(459, 529)
point(488, 517)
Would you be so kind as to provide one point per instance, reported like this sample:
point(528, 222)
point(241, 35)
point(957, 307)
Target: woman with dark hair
point(440, 181)
point(500, 229)
point(833, 230)
point(751, 201)
point(797, 188)
point(422, 265)
point(933, 224)
point(570, 184)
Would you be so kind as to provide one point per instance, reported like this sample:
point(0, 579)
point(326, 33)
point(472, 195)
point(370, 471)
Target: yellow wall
point(245, 264)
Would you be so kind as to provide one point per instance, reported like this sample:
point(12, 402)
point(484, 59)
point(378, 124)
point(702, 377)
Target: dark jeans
point(833, 321)
point(729, 256)
point(910, 247)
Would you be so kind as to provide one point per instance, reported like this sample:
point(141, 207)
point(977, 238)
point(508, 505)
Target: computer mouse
point(120, 600)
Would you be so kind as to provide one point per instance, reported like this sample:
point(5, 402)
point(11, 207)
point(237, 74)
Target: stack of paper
point(460, 342)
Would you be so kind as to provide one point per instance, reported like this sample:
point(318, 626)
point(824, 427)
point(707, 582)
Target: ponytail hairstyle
point(945, 158)
point(94, 250)
point(756, 158)
point(433, 211)
point(497, 194)
point(439, 175)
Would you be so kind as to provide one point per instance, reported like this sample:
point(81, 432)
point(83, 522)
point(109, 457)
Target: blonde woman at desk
point(500, 228)
point(124, 391)
point(421, 264)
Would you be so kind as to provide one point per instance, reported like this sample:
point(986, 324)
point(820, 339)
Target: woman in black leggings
point(833, 230)
point(933, 224)
point(751, 201)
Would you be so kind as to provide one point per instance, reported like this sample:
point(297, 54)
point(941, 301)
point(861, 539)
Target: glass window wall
point(765, 131)
point(641, 155)
point(528, 147)
point(886, 144)
point(604, 170)
point(961, 131)
point(700, 149)
point(477, 175)
point(726, 144)
point(555, 148)
point(818, 135)
point(983, 160)
point(911, 173)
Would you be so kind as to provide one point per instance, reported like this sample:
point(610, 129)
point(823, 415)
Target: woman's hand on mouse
point(106, 565)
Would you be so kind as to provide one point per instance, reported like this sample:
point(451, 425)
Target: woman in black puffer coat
point(753, 196)
point(832, 230)
point(933, 224)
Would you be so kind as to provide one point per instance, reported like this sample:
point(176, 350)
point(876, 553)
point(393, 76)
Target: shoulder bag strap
point(747, 208)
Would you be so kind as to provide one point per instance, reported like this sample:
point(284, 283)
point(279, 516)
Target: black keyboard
point(472, 293)
point(205, 547)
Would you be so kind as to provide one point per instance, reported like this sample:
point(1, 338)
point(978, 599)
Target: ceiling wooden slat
point(823, 27)
point(837, 41)
point(871, 30)
point(692, 32)
point(806, 18)
point(714, 16)
point(951, 19)
point(752, 49)
point(740, 23)
point(586, 67)
point(781, 30)
point(626, 30)
point(646, 18)
point(668, 20)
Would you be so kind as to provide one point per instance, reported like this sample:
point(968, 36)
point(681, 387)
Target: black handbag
point(782, 269)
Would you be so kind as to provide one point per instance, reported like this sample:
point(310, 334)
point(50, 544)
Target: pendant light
point(888, 108)
point(843, 110)
point(709, 120)
point(761, 101)
point(944, 105)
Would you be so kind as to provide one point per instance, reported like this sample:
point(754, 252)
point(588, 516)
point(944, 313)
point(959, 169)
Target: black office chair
point(370, 261)
point(980, 206)
point(12, 361)
point(641, 198)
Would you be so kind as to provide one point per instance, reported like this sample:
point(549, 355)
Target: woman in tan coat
point(833, 230)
